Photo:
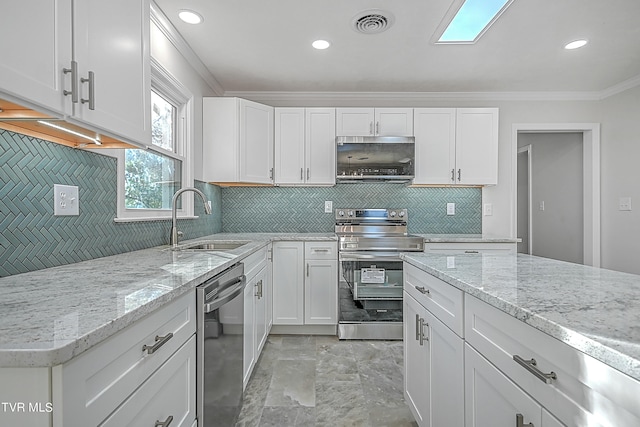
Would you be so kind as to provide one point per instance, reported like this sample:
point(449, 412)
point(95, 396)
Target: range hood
point(19, 119)
point(375, 159)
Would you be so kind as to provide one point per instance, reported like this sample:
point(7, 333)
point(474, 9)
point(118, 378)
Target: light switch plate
point(488, 209)
point(65, 200)
point(624, 204)
point(328, 206)
point(451, 208)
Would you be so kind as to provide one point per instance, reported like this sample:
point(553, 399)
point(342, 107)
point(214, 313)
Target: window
point(148, 179)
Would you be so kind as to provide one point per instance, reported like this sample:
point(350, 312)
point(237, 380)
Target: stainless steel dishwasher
point(219, 361)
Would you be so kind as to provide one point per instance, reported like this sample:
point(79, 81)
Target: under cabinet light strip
point(72, 132)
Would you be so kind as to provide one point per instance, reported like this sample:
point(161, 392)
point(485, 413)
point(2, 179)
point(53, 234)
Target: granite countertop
point(593, 310)
point(49, 316)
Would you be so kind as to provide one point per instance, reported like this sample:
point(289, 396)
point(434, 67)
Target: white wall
point(620, 166)
point(556, 160)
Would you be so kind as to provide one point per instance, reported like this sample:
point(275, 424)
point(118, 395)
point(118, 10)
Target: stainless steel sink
point(213, 245)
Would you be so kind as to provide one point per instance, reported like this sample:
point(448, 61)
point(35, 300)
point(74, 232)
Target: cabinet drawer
point(440, 298)
point(168, 394)
point(321, 250)
point(585, 391)
point(254, 262)
point(96, 382)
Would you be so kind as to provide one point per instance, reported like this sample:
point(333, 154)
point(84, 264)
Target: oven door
point(372, 275)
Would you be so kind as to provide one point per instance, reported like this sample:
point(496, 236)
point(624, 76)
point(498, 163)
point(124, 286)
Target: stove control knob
point(350, 213)
point(392, 214)
point(340, 213)
point(401, 214)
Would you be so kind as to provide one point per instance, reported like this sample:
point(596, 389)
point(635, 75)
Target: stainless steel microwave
point(375, 158)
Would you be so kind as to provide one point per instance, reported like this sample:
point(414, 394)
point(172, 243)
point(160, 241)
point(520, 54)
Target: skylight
point(472, 19)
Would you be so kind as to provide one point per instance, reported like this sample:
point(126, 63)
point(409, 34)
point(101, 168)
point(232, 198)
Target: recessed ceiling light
point(575, 44)
point(321, 44)
point(190, 17)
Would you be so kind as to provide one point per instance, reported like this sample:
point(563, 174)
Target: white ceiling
point(265, 45)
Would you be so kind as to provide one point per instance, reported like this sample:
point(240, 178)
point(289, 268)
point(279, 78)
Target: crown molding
point(171, 33)
point(621, 87)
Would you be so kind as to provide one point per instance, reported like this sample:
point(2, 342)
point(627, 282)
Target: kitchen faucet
point(173, 239)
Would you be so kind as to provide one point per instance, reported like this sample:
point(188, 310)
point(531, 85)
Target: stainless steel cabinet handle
point(417, 327)
point(377, 128)
point(423, 290)
point(301, 174)
point(370, 128)
point(160, 341)
point(164, 423)
point(320, 250)
point(92, 93)
point(520, 421)
point(271, 173)
point(259, 289)
point(74, 81)
point(453, 175)
point(531, 366)
point(471, 252)
point(422, 337)
point(307, 173)
point(459, 175)
point(307, 270)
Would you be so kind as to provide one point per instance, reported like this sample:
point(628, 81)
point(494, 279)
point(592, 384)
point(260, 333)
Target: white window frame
point(168, 87)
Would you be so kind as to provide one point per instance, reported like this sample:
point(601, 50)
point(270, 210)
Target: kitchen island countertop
point(594, 310)
point(49, 316)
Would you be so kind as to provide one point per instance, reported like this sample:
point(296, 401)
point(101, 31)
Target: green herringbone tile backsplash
point(301, 209)
point(31, 238)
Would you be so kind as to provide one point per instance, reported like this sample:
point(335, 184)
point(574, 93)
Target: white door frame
point(527, 149)
point(591, 179)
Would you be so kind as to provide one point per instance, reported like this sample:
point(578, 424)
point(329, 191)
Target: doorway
point(589, 133)
point(550, 192)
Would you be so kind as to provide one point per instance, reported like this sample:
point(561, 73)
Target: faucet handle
point(180, 234)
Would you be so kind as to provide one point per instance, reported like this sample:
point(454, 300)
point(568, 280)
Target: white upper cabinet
point(374, 122)
point(89, 64)
point(456, 146)
point(111, 48)
point(305, 146)
point(32, 62)
point(237, 141)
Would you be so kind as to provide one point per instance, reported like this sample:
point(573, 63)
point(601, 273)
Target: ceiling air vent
point(372, 21)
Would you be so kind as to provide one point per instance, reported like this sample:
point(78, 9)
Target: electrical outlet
point(541, 206)
point(624, 204)
point(488, 209)
point(451, 208)
point(328, 206)
point(209, 203)
point(65, 200)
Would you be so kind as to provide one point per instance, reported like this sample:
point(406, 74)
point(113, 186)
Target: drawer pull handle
point(530, 365)
point(320, 250)
point(160, 341)
point(520, 421)
point(164, 423)
point(471, 252)
point(423, 290)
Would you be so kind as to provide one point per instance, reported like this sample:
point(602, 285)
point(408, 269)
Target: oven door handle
point(351, 256)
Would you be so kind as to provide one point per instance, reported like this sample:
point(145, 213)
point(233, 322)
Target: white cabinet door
point(289, 146)
point(492, 399)
point(320, 152)
point(435, 132)
point(417, 389)
point(260, 298)
point(434, 368)
point(549, 420)
point(477, 146)
point(111, 40)
point(393, 122)
point(354, 121)
point(249, 335)
point(32, 62)
point(321, 292)
point(256, 142)
point(288, 283)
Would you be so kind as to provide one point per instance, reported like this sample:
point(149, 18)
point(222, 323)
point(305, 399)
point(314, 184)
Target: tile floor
point(322, 381)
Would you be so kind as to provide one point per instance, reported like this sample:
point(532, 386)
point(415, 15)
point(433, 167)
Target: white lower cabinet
point(168, 396)
point(305, 283)
point(433, 376)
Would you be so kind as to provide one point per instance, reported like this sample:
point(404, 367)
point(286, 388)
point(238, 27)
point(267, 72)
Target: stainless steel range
point(371, 293)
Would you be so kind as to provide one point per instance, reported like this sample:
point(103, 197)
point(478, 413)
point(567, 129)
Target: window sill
point(146, 219)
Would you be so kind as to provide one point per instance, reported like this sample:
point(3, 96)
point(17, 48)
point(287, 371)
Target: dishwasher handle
point(229, 293)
